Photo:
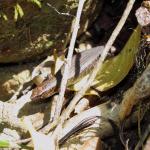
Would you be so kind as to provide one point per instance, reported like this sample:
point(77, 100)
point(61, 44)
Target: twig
point(60, 13)
point(68, 61)
point(108, 45)
point(66, 70)
point(100, 62)
point(104, 113)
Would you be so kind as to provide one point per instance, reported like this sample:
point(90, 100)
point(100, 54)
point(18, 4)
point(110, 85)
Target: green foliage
point(4, 144)
point(37, 2)
point(18, 10)
point(114, 69)
point(3, 16)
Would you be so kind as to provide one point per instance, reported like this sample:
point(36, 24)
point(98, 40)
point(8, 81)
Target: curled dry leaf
point(49, 67)
point(44, 69)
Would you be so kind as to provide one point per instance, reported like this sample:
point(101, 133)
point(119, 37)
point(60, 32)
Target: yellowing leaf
point(4, 143)
point(114, 69)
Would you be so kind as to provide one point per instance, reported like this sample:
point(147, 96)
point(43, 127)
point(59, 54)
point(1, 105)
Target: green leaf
point(114, 69)
point(37, 2)
point(4, 144)
point(15, 13)
point(20, 11)
point(3, 16)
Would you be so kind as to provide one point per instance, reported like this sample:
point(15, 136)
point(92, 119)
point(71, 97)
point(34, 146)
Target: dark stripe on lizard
point(86, 122)
point(82, 64)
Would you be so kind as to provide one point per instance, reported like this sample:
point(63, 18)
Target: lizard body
point(82, 63)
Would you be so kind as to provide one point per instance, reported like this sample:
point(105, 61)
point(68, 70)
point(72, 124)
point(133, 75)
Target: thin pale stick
point(67, 67)
point(63, 85)
point(108, 45)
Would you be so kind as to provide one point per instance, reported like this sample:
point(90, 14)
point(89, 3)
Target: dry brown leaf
point(92, 144)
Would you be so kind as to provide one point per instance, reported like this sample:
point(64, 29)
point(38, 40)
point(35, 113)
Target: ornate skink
point(82, 63)
point(83, 124)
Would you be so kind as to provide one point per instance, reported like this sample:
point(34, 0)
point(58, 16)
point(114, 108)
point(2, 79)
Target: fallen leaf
point(92, 144)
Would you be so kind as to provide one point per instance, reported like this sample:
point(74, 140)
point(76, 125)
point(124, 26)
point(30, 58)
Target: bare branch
point(60, 13)
point(69, 58)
